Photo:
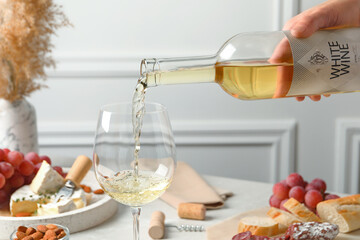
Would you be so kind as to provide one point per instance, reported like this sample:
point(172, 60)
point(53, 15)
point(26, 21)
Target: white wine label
point(326, 62)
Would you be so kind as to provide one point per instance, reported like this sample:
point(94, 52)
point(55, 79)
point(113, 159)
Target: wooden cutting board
point(226, 229)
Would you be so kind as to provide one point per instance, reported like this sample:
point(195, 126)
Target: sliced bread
point(259, 225)
point(344, 212)
point(283, 218)
point(301, 211)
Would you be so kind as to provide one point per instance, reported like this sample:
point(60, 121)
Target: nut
point(28, 238)
point(20, 235)
point(49, 234)
point(42, 232)
point(22, 229)
point(51, 226)
point(30, 231)
point(37, 235)
point(42, 228)
point(99, 191)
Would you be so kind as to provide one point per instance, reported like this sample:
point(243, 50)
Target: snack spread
point(298, 231)
point(302, 210)
point(38, 197)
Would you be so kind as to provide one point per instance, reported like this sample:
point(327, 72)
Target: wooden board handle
point(79, 169)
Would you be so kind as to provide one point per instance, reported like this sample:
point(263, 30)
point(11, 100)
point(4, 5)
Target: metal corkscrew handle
point(187, 227)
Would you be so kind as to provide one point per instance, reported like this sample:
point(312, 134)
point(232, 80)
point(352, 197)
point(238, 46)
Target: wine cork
point(157, 225)
point(195, 211)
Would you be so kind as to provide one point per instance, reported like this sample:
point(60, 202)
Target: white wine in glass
point(129, 175)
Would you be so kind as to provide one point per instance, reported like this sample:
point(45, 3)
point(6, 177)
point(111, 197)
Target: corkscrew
point(157, 226)
point(187, 227)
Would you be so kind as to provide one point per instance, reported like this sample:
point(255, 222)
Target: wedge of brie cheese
point(47, 180)
point(38, 197)
point(23, 200)
point(64, 205)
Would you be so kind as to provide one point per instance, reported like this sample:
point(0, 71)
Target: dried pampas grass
point(26, 27)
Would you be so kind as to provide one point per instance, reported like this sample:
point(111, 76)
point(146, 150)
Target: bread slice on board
point(283, 218)
point(301, 211)
point(344, 212)
point(259, 225)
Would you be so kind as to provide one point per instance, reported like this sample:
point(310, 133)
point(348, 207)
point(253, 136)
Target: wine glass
point(128, 174)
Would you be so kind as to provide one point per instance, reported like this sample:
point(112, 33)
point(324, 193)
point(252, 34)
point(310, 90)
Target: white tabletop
point(247, 195)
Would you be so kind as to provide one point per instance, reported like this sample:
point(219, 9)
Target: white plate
point(101, 208)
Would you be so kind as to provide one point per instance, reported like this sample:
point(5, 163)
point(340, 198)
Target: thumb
point(308, 24)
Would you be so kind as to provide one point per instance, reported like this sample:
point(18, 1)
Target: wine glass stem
point(136, 214)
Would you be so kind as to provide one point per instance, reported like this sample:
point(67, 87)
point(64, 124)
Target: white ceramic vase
point(18, 129)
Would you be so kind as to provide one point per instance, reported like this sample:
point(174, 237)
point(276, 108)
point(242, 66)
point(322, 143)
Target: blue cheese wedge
point(23, 200)
point(47, 180)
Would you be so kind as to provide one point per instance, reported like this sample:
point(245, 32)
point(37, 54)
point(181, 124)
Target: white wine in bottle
point(268, 65)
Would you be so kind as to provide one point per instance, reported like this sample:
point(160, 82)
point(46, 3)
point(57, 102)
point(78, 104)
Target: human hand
point(330, 14)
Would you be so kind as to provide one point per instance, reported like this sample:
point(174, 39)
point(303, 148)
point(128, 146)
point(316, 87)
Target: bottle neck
point(163, 71)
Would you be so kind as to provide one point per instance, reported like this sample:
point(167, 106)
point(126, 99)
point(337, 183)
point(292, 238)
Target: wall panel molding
point(283, 10)
point(95, 66)
point(347, 155)
point(279, 135)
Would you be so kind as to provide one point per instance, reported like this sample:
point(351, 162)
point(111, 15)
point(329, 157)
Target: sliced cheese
point(23, 200)
point(64, 205)
point(47, 180)
point(79, 198)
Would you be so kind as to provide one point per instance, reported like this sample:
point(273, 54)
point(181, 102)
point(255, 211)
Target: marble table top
point(247, 195)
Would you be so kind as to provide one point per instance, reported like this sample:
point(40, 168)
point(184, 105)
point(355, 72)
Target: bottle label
point(326, 62)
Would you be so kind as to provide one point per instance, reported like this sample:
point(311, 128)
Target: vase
point(18, 129)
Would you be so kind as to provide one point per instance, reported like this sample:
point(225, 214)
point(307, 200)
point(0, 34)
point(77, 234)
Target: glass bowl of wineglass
point(134, 154)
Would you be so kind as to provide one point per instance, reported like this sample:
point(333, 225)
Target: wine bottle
point(264, 65)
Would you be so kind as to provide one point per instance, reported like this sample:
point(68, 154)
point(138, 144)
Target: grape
point(281, 191)
point(274, 201)
point(37, 167)
point(294, 179)
point(26, 168)
point(46, 158)
point(33, 157)
point(305, 184)
point(319, 184)
point(6, 150)
point(283, 182)
point(2, 181)
point(7, 188)
point(17, 180)
point(312, 198)
point(58, 169)
point(64, 174)
point(6, 169)
point(310, 187)
point(15, 158)
point(2, 155)
point(298, 193)
point(282, 204)
point(3, 196)
point(331, 196)
point(28, 179)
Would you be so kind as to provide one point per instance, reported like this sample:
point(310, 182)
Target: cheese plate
point(229, 227)
point(100, 208)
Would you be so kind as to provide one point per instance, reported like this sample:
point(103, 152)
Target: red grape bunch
point(17, 169)
point(295, 187)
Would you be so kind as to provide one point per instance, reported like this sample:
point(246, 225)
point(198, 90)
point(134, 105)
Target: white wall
point(260, 140)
